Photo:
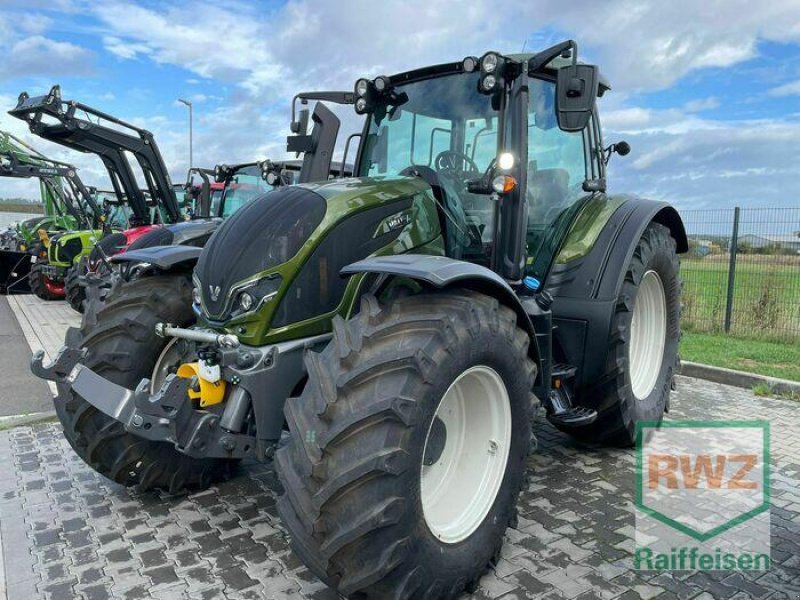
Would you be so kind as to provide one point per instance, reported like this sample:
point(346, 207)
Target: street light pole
point(189, 104)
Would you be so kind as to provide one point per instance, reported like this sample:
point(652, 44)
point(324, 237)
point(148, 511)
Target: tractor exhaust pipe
point(226, 340)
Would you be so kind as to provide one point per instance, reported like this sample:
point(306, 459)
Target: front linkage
point(168, 415)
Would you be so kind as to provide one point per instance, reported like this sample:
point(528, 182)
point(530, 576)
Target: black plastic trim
point(163, 257)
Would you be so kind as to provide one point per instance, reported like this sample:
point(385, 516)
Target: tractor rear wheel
point(123, 347)
point(643, 345)
point(408, 445)
point(75, 290)
point(41, 285)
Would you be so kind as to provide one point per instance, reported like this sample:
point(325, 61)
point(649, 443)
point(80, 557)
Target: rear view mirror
point(576, 90)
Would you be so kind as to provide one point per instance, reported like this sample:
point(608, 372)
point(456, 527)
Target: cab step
point(573, 418)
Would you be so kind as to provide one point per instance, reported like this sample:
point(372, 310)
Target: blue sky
point(708, 95)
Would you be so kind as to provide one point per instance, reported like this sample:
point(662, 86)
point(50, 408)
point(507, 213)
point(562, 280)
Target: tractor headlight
point(196, 295)
point(488, 83)
point(469, 64)
point(362, 87)
point(246, 301)
point(361, 106)
point(489, 63)
point(254, 295)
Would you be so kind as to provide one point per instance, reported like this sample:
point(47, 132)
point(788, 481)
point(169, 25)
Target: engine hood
point(304, 234)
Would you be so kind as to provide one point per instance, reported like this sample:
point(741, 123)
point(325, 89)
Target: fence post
point(732, 269)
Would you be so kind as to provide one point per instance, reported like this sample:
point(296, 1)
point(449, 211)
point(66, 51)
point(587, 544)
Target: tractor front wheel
point(75, 290)
point(408, 446)
point(42, 285)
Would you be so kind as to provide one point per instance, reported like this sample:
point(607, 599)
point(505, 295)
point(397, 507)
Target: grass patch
point(766, 299)
point(774, 359)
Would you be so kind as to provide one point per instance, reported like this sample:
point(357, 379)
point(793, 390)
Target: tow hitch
point(166, 415)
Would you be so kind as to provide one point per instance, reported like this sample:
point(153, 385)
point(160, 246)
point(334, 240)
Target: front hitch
point(164, 416)
point(61, 367)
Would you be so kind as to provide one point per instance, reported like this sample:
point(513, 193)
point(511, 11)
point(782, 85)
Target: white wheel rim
point(460, 487)
point(648, 335)
point(170, 356)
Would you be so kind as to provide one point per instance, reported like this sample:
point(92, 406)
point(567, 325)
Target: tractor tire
point(366, 429)
point(76, 290)
point(123, 348)
point(639, 370)
point(42, 286)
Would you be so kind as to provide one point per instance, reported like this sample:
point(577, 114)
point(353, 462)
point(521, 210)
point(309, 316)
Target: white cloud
point(701, 104)
point(262, 55)
point(787, 89)
point(26, 52)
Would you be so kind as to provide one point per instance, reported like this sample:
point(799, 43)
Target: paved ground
point(20, 393)
point(67, 532)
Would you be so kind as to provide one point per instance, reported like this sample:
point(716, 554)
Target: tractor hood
point(193, 233)
point(286, 250)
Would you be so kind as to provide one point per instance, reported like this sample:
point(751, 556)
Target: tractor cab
point(241, 183)
point(486, 134)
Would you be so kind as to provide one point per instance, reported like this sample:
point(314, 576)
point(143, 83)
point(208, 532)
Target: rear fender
point(585, 290)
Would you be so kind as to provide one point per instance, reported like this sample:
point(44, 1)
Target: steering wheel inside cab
point(456, 165)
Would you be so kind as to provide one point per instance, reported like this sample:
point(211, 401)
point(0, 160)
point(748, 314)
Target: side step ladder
point(561, 412)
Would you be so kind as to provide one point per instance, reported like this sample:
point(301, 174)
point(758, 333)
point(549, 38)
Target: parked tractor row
point(385, 333)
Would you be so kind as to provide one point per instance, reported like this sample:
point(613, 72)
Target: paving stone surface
point(69, 533)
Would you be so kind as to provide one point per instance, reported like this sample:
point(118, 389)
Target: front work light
point(488, 83)
point(505, 161)
point(489, 62)
point(362, 87)
point(381, 84)
point(469, 64)
point(361, 106)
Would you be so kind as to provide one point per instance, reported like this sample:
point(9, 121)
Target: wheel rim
point(648, 335)
point(170, 358)
point(462, 472)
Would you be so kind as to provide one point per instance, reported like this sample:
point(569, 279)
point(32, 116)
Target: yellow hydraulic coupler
point(210, 393)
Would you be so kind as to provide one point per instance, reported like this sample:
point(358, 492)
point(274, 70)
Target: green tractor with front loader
point(44, 243)
point(387, 338)
point(19, 160)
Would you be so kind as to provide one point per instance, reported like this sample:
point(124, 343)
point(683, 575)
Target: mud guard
point(442, 272)
point(161, 257)
point(585, 290)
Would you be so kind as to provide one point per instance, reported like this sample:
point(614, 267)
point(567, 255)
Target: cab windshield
point(444, 131)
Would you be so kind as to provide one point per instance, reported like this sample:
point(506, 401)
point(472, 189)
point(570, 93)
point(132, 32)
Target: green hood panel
point(363, 217)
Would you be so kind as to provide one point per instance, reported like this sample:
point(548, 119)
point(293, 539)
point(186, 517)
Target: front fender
point(443, 272)
point(162, 257)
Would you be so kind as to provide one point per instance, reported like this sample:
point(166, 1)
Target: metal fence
point(742, 273)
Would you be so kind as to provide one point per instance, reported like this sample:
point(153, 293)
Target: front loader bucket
point(14, 270)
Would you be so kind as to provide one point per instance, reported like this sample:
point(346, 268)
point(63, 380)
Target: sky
point(706, 93)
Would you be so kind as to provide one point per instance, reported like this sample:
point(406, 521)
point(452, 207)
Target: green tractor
point(18, 159)
point(388, 337)
point(42, 243)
